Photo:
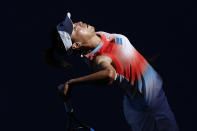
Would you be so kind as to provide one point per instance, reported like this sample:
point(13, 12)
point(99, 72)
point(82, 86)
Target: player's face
point(82, 32)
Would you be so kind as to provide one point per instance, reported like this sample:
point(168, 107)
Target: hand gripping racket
point(73, 124)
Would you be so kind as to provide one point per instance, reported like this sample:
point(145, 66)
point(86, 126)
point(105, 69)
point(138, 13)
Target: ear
point(76, 45)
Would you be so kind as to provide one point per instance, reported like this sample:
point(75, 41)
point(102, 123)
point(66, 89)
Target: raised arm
point(104, 73)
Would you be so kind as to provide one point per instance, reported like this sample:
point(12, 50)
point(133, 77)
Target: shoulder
point(101, 62)
point(114, 35)
point(103, 58)
point(125, 38)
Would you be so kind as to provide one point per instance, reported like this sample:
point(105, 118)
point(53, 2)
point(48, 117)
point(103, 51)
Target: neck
point(94, 42)
point(91, 44)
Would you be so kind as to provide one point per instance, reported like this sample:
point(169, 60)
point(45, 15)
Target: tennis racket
point(73, 124)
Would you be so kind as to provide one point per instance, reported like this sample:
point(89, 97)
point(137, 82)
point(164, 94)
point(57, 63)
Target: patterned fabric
point(131, 67)
point(145, 105)
point(128, 61)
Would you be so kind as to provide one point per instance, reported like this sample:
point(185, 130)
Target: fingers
point(64, 91)
point(66, 88)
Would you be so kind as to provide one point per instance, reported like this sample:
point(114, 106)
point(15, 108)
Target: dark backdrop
point(29, 99)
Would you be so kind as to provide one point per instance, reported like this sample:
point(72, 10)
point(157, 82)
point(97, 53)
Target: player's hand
point(64, 91)
point(66, 88)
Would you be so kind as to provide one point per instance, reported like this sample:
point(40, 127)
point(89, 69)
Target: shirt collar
point(95, 49)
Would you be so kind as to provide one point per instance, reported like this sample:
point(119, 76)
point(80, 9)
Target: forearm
point(104, 77)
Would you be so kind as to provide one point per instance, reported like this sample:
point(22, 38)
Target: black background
point(28, 98)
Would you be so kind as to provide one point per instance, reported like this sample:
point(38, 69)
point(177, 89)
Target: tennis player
point(114, 60)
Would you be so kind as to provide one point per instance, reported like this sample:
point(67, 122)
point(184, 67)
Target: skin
point(85, 39)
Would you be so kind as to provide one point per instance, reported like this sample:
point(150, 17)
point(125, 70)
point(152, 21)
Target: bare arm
point(104, 73)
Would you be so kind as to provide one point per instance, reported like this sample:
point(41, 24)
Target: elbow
point(110, 76)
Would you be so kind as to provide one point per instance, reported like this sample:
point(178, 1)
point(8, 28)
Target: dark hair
point(56, 46)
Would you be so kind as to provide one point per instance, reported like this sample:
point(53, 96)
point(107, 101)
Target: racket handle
point(67, 104)
point(68, 107)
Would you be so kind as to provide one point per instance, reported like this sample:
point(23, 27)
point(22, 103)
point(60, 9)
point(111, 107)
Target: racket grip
point(68, 107)
point(67, 104)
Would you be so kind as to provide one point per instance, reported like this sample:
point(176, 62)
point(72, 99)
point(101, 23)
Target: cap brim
point(66, 25)
point(65, 29)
